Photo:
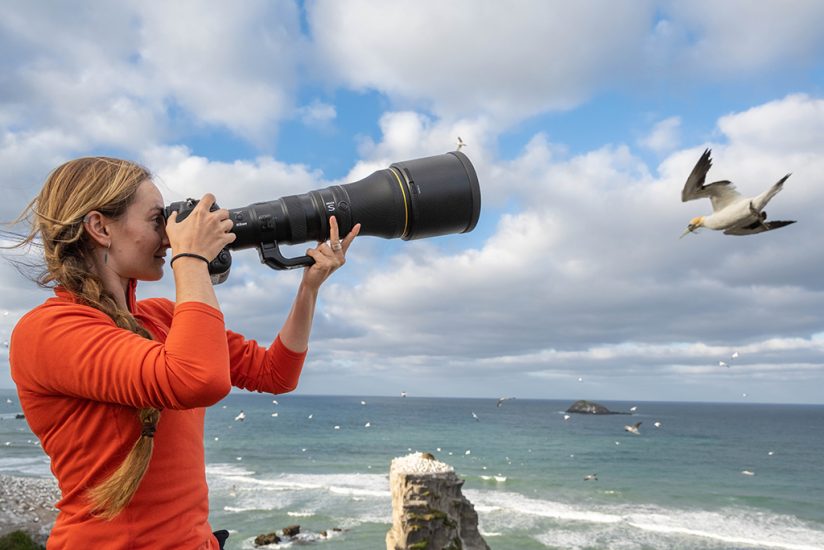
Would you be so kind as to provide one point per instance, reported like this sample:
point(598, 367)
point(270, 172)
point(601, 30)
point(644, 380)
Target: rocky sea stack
point(590, 407)
point(429, 511)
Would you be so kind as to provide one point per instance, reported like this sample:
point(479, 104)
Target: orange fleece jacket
point(81, 379)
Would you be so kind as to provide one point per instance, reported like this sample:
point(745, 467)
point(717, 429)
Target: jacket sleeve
point(253, 367)
point(77, 350)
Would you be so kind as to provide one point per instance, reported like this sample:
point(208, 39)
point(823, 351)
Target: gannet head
point(694, 224)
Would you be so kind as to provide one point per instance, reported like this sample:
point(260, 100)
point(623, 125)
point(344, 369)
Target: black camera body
point(414, 199)
point(220, 265)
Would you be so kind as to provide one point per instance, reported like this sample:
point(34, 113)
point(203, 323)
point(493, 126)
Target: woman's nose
point(164, 237)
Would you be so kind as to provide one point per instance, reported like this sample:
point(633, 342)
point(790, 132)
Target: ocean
point(711, 476)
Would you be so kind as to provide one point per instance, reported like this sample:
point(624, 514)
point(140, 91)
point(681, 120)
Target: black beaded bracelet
point(187, 254)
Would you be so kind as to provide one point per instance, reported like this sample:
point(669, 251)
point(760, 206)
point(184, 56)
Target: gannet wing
point(757, 227)
point(721, 193)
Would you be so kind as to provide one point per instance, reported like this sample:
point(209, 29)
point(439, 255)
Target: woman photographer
point(116, 389)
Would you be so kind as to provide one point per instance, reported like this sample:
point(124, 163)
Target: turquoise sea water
point(317, 464)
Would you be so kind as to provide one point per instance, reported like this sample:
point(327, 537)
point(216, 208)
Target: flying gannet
point(633, 429)
point(731, 212)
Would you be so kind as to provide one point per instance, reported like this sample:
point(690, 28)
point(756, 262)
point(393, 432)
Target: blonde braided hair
point(71, 191)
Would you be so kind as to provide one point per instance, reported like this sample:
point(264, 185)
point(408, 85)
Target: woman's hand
point(202, 232)
point(328, 256)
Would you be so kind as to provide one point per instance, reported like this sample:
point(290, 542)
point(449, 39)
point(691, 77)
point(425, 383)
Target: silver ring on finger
point(336, 246)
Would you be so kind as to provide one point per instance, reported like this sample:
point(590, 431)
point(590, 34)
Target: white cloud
point(235, 184)
point(664, 135)
point(792, 126)
point(505, 59)
point(738, 37)
point(233, 65)
point(513, 60)
point(318, 114)
point(121, 75)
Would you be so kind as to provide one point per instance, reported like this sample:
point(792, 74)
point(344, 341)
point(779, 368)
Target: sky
point(582, 120)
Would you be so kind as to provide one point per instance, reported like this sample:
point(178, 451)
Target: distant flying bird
point(240, 417)
point(747, 473)
point(566, 417)
point(633, 429)
point(723, 364)
point(501, 401)
point(633, 409)
point(735, 214)
point(734, 355)
point(656, 424)
point(363, 402)
point(461, 144)
point(591, 477)
point(475, 416)
point(403, 394)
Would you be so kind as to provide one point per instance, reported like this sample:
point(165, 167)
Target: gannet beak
point(689, 229)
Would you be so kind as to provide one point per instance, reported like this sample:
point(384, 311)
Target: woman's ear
point(97, 226)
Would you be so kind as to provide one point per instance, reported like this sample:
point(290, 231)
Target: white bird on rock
point(731, 212)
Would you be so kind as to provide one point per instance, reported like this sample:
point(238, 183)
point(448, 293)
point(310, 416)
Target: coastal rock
point(428, 508)
point(590, 407)
point(268, 538)
point(292, 535)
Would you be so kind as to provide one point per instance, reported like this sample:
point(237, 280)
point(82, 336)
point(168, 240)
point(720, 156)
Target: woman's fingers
point(350, 237)
point(204, 231)
point(334, 230)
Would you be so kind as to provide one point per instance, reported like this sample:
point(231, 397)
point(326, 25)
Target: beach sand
point(27, 504)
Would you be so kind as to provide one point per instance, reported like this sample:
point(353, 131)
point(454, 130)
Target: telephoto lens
point(414, 199)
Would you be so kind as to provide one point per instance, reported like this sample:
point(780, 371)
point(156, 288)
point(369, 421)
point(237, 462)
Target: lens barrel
point(414, 199)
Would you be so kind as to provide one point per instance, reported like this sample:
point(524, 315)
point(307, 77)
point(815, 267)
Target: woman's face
point(139, 241)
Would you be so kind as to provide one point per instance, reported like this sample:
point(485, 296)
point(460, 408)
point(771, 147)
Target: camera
point(414, 199)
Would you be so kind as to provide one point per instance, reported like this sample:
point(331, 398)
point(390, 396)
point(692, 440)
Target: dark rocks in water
point(292, 535)
point(590, 407)
point(19, 416)
point(270, 538)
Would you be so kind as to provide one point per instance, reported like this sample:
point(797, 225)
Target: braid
point(71, 191)
point(112, 495)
